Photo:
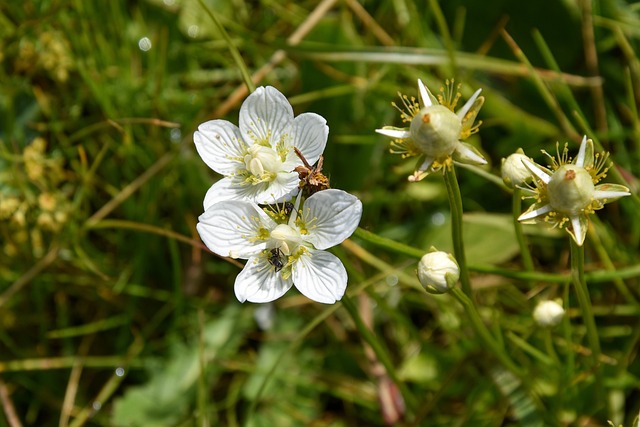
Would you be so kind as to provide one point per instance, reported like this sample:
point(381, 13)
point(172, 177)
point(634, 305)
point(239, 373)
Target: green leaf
point(488, 238)
point(168, 395)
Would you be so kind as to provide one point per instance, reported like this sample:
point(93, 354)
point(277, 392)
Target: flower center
point(571, 189)
point(436, 130)
point(286, 238)
point(262, 162)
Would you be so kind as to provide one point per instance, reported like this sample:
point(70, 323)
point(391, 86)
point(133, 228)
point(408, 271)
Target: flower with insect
point(257, 158)
point(436, 130)
point(284, 247)
point(566, 193)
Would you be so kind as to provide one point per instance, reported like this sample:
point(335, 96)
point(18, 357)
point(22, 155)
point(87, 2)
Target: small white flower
point(257, 158)
point(436, 130)
point(567, 192)
point(438, 271)
point(514, 172)
point(548, 313)
point(284, 250)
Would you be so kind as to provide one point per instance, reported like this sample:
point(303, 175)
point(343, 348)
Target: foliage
point(112, 312)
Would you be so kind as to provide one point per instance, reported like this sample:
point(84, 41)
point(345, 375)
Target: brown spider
point(312, 179)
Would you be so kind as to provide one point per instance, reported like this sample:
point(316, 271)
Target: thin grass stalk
point(232, 48)
point(483, 332)
point(380, 351)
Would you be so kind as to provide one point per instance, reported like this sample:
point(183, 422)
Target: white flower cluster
point(257, 211)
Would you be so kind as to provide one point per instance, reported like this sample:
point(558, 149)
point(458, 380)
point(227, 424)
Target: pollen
point(450, 94)
point(406, 147)
point(426, 118)
point(410, 108)
point(600, 167)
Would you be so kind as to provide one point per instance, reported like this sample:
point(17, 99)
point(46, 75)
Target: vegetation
point(114, 313)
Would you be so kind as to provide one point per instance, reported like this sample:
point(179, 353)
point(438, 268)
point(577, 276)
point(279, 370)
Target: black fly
point(288, 208)
point(274, 259)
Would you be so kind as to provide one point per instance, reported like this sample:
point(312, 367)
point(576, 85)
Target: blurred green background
point(113, 313)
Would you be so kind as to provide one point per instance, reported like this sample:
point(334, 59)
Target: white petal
point(220, 145)
point(230, 228)
point(578, 232)
point(581, 152)
point(320, 276)
point(229, 189)
point(428, 161)
point(265, 115)
point(466, 153)
point(330, 216)
point(609, 195)
point(258, 282)
point(424, 94)
point(282, 189)
point(467, 106)
point(394, 132)
point(535, 169)
point(310, 133)
point(535, 213)
point(422, 172)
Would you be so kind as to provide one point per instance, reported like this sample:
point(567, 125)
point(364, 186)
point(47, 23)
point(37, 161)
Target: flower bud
point(514, 172)
point(548, 313)
point(571, 189)
point(438, 272)
point(436, 130)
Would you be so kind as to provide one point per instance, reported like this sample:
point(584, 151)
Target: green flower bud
point(436, 130)
point(438, 272)
point(571, 189)
point(514, 172)
point(548, 313)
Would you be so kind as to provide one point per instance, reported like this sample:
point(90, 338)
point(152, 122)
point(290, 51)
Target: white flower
point(257, 158)
point(284, 246)
point(436, 130)
point(566, 193)
point(548, 313)
point(438, 271)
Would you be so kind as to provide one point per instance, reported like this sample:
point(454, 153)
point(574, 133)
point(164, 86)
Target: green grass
point(112, 311)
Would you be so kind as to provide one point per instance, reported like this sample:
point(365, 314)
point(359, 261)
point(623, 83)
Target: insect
point(274, 259)
point(312, 179)
point(288, 208)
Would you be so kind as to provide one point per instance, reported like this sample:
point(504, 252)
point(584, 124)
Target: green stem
point(381, 352)
point(232, 48)
point(516, 205)
point(483, 332)
point(582, 293)
point(455, 202)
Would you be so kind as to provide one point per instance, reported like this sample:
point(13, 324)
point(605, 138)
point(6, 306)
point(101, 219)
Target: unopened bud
point(514, 172)
point(438, 272)
point(548, 313)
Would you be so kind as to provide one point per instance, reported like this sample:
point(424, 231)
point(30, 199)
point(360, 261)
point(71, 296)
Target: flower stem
point(483, 332)
point(582, 293)
point(525, 254)
point(455, 203)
